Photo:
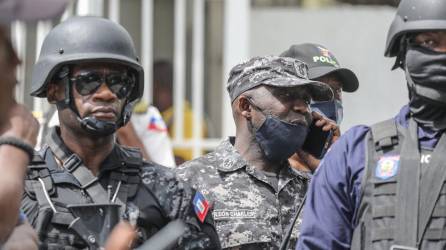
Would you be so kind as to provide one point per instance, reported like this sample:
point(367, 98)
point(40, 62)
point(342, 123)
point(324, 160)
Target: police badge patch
point(387, 167)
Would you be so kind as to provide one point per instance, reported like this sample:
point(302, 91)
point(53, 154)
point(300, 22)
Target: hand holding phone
point(322, 133)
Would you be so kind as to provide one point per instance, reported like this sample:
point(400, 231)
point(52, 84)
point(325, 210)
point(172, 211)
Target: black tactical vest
point(54, 190)
point(385, 218)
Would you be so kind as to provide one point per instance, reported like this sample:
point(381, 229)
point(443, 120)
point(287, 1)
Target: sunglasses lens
point(87, 84)
point(120, 85)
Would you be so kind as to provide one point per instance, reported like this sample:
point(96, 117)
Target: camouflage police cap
point(283, 72)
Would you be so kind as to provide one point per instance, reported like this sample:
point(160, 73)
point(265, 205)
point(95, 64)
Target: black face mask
point(279, 139)
point(426, 74)
point(427, 113)
point(333, 110)
point(426, 79)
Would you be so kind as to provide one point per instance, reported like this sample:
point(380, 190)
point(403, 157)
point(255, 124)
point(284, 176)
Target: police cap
point(322, 62)
point(274, 71)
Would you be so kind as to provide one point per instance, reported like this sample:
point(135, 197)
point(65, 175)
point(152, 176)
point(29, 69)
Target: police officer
point(18, 128)
point(81, 183)
point(324, 67)
point(382, 187)
point(254, 192)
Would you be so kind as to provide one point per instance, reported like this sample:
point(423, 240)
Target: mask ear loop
point(253, 128)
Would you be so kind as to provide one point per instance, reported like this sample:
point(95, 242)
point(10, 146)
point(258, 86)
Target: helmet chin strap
point(97, 127)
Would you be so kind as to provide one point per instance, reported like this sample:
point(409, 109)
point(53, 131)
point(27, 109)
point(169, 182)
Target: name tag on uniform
point(221, 214)
point(387, 167)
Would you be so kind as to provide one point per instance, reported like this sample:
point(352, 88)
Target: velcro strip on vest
point(388, 188)
point(383, 211)
point(385, 134)
point(435, 234)
point(382, 234)
point(439, 211)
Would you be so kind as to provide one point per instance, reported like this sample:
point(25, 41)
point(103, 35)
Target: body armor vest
point(385, 218)
point(55, 190)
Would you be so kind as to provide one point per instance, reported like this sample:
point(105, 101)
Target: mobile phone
point(317, 141)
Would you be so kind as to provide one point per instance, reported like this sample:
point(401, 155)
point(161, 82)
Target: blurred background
point(187, 48)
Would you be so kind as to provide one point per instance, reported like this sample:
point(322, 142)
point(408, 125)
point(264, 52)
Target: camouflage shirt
point(250, 210)
point(153, 191)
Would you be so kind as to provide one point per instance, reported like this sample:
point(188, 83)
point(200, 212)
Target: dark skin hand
point(306, 162)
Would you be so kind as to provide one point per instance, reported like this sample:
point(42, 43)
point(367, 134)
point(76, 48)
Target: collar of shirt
point(111, 162)
point(233, 161)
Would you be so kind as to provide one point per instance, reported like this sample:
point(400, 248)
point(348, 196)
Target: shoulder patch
point(156, 123)
point(387, 167)
point(201, 206)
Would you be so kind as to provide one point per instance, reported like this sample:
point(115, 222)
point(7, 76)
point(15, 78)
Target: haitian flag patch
point(201, 206)
point(156, 123)
point(387, 167)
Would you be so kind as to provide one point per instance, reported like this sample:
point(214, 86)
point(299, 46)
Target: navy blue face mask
point(333, 110)
point(279, 139)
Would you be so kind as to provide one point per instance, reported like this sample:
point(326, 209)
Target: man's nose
point(104, 93)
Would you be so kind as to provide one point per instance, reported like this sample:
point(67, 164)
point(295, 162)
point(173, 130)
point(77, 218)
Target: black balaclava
point(426, 79)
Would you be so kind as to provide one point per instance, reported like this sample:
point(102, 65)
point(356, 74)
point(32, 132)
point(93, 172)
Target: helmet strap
point(401, 55)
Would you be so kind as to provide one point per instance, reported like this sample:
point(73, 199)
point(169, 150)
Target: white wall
point(356, 36)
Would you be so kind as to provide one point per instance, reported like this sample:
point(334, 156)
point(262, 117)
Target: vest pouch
point(94, 222)
point(383, 212)
point(384, 187)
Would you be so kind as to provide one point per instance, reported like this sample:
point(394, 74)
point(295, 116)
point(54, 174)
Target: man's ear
point(244, 107)
point(55, 92)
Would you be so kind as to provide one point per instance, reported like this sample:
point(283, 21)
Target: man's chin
point(105, 117)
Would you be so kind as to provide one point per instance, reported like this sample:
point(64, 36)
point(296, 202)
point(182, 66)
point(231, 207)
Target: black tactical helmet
point(85, 39)
point(88, 39)
point(415, 16)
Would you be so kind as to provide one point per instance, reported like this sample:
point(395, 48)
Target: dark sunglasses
point(120, 84)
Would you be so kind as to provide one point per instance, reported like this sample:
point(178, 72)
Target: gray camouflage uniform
point(253, 209)
point(250, 210)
